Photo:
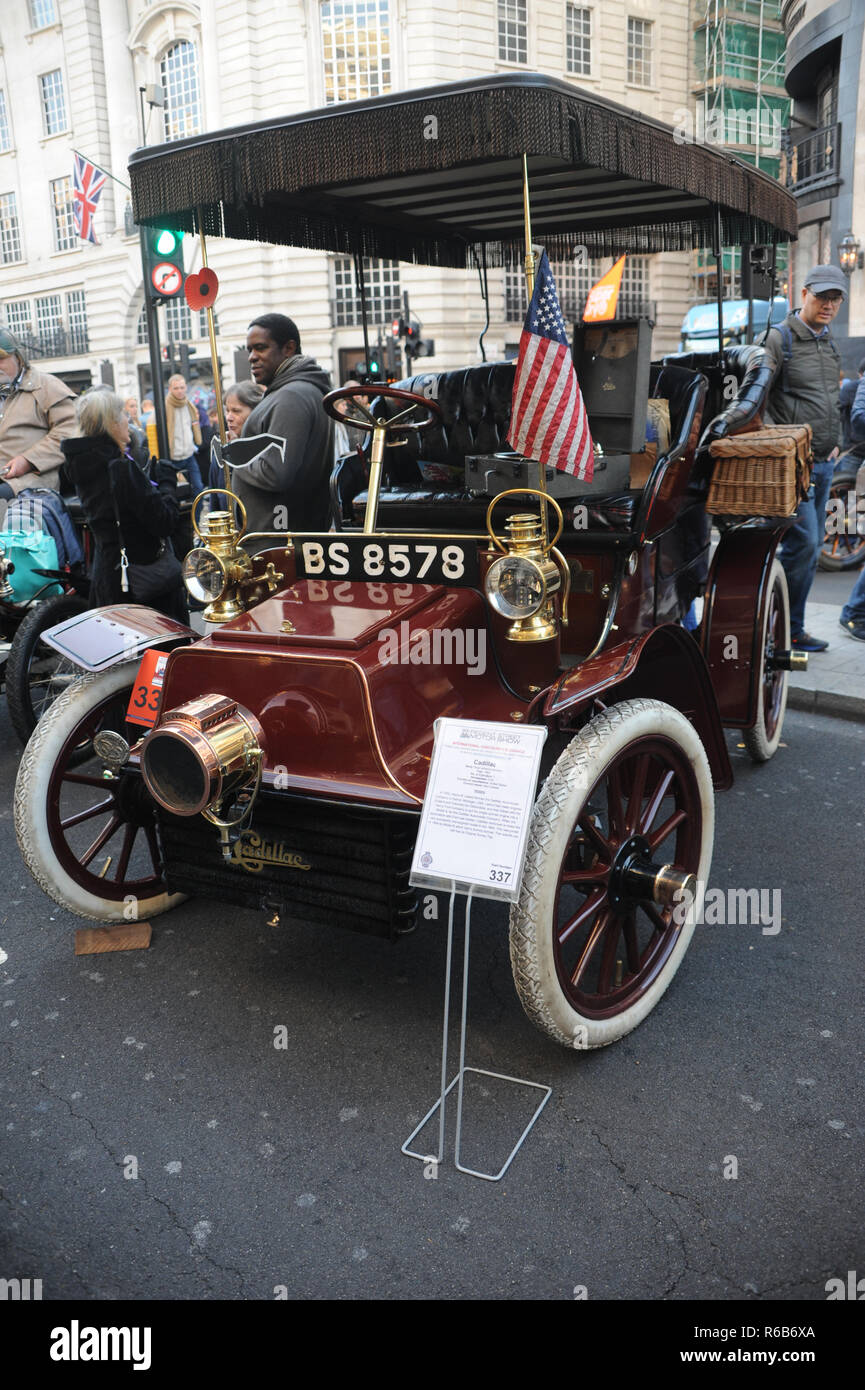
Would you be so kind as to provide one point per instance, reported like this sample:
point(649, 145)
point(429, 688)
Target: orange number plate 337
point(146, 694)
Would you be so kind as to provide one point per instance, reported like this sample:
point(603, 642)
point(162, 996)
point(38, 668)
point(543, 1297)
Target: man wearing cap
point(37, 411)
point(807, 391)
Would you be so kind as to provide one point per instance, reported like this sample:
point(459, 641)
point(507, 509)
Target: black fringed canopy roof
point(426, 175)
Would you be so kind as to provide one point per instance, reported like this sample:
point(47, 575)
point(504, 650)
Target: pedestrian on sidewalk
point(184, 432)
point(806, 390)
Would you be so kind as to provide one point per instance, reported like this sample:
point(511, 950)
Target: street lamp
point(849, 255)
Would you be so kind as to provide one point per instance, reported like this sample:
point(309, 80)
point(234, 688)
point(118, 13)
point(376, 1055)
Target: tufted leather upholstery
point(476, 409)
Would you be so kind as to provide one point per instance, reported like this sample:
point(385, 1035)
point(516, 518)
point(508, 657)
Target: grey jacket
point(291, 409)
point(814, 395)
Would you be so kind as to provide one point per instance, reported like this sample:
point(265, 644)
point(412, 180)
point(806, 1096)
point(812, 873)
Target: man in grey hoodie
point(290, 409)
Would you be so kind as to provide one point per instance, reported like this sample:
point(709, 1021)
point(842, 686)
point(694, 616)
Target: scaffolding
point(741, 104)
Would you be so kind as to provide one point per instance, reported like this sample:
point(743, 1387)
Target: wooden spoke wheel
point(763, 738)
point(35, 673)
point(592, 951)
point(90, 841)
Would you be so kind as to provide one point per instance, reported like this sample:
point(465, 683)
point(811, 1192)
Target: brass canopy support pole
point(214, 359)
point(530, 287)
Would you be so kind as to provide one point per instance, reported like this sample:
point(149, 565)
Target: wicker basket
point(761, 473)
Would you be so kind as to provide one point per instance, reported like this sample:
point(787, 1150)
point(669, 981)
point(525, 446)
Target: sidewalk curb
point(826, 702)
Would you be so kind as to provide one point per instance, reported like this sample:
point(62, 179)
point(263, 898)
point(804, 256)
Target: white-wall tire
point(43, 787)
point(763, 738)
point(610, 751)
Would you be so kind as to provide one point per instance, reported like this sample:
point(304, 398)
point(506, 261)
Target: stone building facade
point(78, 75)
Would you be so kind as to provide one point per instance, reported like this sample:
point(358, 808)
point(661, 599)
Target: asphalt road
point(261, 1169)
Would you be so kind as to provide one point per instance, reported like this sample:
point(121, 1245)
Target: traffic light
point(392, 362)
point(368, 373)
point(163, 263)
point(418, 347)
point(188, 363)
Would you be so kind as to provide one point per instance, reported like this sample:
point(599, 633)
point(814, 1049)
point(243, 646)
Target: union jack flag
point(548, 417)
point(87, 186)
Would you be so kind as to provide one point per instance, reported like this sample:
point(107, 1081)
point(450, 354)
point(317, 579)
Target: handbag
point(145, 583)
point(150, 582)
point(29, 552)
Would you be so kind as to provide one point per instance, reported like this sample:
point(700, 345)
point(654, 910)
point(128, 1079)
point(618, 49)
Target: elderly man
point(37, 412)
point(806, 390)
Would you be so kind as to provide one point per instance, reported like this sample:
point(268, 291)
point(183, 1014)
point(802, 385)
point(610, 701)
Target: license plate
point(399, 561)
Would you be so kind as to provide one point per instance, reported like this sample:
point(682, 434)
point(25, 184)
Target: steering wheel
point(397, 424)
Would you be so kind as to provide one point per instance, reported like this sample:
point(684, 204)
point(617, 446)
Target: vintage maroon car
point(287, 755)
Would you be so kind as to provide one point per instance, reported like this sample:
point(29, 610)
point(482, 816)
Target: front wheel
point(35, 673)
point(591, 951)
point(90, 841)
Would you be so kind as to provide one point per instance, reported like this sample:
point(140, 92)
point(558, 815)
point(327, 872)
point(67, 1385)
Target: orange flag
point(603, 297)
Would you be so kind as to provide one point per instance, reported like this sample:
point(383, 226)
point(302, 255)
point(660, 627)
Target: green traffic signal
point(164, 273)
point(166, 242)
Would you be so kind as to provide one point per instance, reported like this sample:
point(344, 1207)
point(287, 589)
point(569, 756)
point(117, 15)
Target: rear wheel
point(763, 738)
point(591, 950)
point(90, 841)
point(843, 548)
point(35, 673)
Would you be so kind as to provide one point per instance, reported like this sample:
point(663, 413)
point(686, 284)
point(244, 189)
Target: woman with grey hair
point(130, 517)
point(239, 401)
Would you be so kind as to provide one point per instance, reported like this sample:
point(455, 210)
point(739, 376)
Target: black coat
point(104, 478)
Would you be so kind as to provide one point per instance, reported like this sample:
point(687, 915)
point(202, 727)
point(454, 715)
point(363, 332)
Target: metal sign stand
point(458, 1080)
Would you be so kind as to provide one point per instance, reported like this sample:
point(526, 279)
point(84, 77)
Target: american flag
point(548, 417)
point(87, 186)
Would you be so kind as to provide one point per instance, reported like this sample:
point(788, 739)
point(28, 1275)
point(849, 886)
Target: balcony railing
point(812, 162)
point(59, 342)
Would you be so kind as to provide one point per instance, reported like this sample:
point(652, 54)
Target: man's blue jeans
point(854, 609)
point(801, 544)
point(193, 472)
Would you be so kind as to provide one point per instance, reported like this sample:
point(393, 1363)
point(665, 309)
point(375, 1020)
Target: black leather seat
point(423, 485)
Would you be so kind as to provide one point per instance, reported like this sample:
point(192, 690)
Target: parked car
point(280, 762)
point(699, 332)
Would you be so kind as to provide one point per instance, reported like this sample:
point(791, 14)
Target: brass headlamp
point(520, 585)
point(203, 757)
point(219, 573)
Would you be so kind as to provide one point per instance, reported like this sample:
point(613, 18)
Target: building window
point(65, 237)
point(513, 31)
point(76, 317)
point(639, 52)
point(574, 279)
point(141, 338)
point(42, 13)
point(5, 131)
point(10, 240)
point(578, 40)
point(178, 321)
point(635, 287)
point(49, 326)
point(381, 285)
point(16, 312)
point(182, 111)
point(202, 323)
point(53, 102)
point(355, 36)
